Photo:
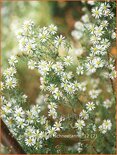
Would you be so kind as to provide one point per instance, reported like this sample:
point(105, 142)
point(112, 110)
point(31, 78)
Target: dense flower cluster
point(60, 82)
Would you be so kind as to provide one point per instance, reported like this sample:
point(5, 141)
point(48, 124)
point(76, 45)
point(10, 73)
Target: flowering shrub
point(84, 86)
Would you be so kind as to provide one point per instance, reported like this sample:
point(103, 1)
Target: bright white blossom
point(79, 124)
point(90, 106)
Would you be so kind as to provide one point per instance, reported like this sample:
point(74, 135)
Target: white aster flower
point(65, 76)
point(28, 24)
point(30, 141)
point(9, 72)
point(52, 29)
point(59, 41)
point(84, 115)
point(68, 60)
point(70, 89)
point(12, 60)
point(58, 68)
point(7, 108)
point(43, 34)
point(43, 120)
point(52, 105)
point(96, 12)
point(30, 46)
point(31, 64)
point(52, 113)
point(19, 112)
point(58, 126)
point(22, 44)
point(80, 124)
point(90, 106)
point(10, 83)
point(113, 74)
point(106, 125)
point(52, 132)
point(57, 94)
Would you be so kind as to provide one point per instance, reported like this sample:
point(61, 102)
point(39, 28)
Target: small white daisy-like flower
point(90, 68)
point(22, 44)
point(31, 64)
point(68, 60)
point(65, 76)
point(57, 126)
point(98, 31)
point(70, 89)
point(19, 113)
point(57, 94)
point(52, 88)
point(59, 40)
point(113, 74)
point(21, 123)
point(28, 25)
point(30, 141)
point(9, 72)
point(30, 46)
point(90, 106)
point(44, 67)
point(107, 124)
point(52, 29)
point(52, 105)
point(98, 62)
point(96, 12)
point(7, 108)
point(43, 34)
point(10, 83)
point(43, 120)
point(58, 67)
point(84, 115)
point(104, 23)
point(53, 113)
point(52, 132)
point(80, 124)
point(102, 130)
point(12, 60)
